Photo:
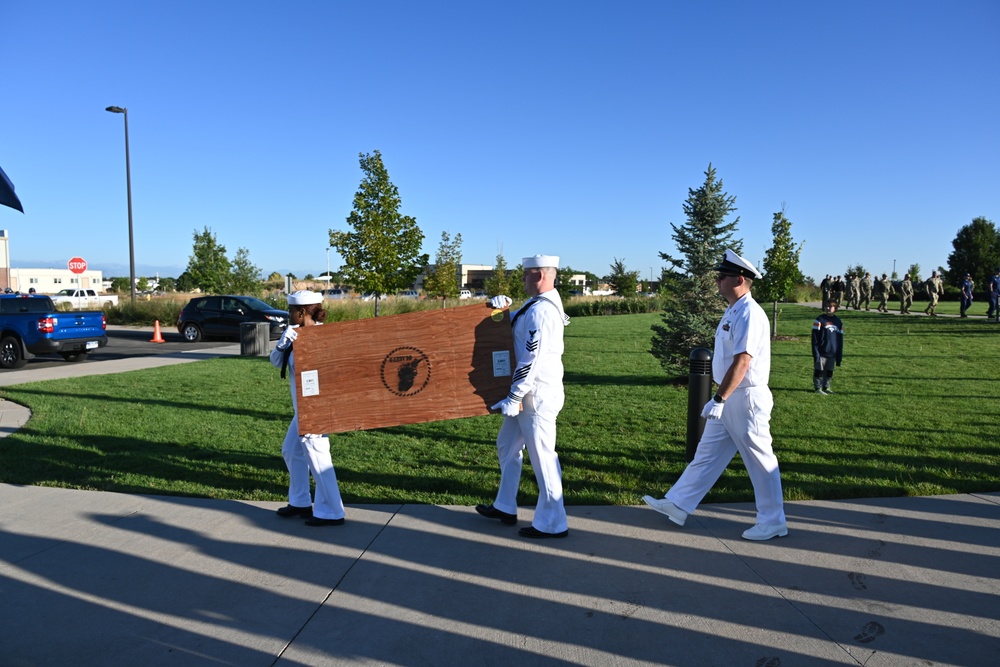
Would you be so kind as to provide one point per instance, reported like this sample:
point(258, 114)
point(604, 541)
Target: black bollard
point(699, 391)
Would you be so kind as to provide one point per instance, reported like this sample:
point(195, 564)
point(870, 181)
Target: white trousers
point(533, 429)
point(744, 428)
point(311, 454)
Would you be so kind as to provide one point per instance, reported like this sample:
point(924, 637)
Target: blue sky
point(569, 128)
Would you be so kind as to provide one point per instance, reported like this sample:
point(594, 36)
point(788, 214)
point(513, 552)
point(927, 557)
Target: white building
point(44, 281)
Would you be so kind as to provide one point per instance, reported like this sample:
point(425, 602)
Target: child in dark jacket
point(827, 346)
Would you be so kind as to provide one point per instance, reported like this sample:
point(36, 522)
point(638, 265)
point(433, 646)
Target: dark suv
point(221, 316)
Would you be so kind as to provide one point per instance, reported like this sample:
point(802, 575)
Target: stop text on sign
point(77, 265)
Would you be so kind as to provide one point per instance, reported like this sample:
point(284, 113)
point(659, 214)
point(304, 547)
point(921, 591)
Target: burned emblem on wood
point(406, 371)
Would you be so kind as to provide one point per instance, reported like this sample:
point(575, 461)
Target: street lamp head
point(116, 109)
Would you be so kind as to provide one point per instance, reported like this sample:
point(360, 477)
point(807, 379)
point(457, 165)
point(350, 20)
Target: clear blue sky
point(569, 128)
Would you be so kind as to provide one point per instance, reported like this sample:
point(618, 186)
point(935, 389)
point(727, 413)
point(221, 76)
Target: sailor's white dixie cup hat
point(540, 262)
point(304, 298)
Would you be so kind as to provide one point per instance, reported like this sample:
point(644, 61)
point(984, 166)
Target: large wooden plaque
point(403, 369)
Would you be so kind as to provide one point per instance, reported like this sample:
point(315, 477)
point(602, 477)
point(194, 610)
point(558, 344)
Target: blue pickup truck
point(30, 325)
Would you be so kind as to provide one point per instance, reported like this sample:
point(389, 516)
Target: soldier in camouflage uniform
point(854, 290)
point(935, 289)
point(883, 289)
point(905, 295)
point(866, 292)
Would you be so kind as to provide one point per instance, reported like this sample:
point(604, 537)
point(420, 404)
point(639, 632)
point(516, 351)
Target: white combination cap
point(304, 298)
point(540, 262)
point(737, 266)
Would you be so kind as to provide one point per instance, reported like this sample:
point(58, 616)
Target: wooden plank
point(403, 369)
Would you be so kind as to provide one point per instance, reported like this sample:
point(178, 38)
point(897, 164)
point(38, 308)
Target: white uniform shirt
point(538, 346)
point(743, 328)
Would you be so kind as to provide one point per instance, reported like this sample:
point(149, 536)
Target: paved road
point(127, 342)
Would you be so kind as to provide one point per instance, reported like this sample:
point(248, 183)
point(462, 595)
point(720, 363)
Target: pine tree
point(622, 281)
point(694, 306)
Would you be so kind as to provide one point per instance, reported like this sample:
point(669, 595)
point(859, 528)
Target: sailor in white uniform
point(309, 453)
point(533, 403)
point(739, 414)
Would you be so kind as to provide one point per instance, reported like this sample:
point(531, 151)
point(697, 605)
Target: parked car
point(464, 294)
point(409, 294)
point(336, 293)
point(221, 317)
point(479, 294)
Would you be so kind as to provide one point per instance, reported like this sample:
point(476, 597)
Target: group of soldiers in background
point(858, 291)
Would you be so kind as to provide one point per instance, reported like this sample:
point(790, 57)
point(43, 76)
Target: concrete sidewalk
point(91, 578)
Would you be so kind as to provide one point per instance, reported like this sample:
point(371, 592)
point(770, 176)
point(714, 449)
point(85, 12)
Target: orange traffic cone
point(157, 336)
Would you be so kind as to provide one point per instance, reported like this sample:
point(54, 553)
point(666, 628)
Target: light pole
point(128, 185)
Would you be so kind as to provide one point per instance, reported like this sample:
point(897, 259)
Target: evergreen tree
point(857, 270)
point(442, 277)
point(382, 254)
point(781, 267)
point(208, 267)
point(622, 281)
point(694, 308)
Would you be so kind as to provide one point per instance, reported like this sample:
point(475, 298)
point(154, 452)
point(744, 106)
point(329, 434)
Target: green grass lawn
point(915, 414)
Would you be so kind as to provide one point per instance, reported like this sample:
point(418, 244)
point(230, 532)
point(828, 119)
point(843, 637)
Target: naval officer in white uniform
point(533, 403)
point(739, 414)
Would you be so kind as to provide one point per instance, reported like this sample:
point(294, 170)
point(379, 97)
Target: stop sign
point(77, 265)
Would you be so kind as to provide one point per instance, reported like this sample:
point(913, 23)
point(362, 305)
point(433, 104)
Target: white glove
point(712, 410)
point(288, 337)
point(500, 302)
point(508, 407)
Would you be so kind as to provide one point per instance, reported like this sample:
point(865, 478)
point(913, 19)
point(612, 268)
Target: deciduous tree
point(244, 278)
point(442, 276)
point(208, 267)
point(781, 267)
point(498, 283)
point(976, 251)
point(382, 253)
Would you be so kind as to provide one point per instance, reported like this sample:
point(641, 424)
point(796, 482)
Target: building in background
point(44, 281)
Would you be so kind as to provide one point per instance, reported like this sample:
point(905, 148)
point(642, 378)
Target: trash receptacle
point(255, 338)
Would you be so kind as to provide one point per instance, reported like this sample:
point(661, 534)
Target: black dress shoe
point(491, 512)
point(289, 511)
point(316, 521)
point(531, 531)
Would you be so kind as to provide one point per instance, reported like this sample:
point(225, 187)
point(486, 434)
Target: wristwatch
point(718, 399)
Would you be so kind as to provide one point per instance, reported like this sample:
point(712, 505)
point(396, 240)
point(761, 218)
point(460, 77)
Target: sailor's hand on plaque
point(500, 302)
